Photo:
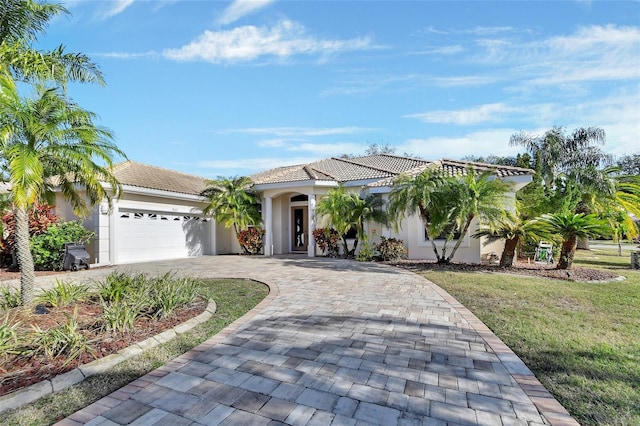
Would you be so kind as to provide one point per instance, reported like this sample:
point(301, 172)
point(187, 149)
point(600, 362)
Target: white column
point(268, 226)
point(311, 247)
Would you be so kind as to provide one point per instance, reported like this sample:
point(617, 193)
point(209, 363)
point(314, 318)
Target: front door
point(300, 234)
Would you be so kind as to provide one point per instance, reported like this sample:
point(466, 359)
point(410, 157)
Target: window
point(440, 239)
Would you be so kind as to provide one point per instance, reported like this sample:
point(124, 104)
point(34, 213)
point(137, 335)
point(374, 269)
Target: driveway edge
point(553, 412)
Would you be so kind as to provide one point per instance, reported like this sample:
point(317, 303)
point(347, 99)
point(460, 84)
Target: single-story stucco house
point(159, 214)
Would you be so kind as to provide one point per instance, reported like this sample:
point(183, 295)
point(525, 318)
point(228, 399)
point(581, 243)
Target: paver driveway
point(336, 342)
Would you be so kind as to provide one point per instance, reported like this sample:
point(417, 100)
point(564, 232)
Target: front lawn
point(581, 340)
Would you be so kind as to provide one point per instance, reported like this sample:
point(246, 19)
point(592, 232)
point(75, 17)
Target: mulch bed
point(577, 273)
point(20, 371)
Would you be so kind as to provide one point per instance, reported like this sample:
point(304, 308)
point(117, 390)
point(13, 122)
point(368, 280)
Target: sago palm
point(513, 230)
point(571, 226)
point(49, 141)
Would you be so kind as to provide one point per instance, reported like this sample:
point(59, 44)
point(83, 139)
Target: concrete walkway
point(336, 342)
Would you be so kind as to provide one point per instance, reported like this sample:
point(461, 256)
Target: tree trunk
point(25, 259)
point(509, 252)
point(463, 233)
point(567, 252)
point(583, 243)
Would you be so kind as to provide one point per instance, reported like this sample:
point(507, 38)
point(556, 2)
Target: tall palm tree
point(47, 141)
point(557, 155)
point(233, 202)
point(571, 226)
point(448, 205)
point(344, 210)
point(21, 22)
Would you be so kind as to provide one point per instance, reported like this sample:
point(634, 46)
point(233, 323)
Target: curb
point(65, 380)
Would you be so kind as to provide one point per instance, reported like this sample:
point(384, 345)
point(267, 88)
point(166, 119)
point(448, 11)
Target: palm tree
point(448, 205)
point(21, 22)
point(559, 155)
point(344, 210)
point(50, 141)
point(233, 202)
point(571, 226)
point(513, 230)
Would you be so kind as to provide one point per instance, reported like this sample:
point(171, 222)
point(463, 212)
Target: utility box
point(635, 259)
point(75, 257)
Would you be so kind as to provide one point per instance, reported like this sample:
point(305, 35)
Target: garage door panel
point(156, 236)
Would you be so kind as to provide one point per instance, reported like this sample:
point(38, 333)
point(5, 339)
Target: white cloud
point(593, 53)
point(242, 44)
point(253, 164)
point(300, 131)
point(117, 7)
point(480, 114)
point(128, 55)
point(240, 8)
point(481, 143)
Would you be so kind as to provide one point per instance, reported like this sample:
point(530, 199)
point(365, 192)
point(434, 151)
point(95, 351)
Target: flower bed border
point(62, 381)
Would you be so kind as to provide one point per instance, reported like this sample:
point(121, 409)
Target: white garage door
point(144, 236)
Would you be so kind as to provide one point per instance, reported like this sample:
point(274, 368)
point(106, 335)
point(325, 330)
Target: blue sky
point(233, 87)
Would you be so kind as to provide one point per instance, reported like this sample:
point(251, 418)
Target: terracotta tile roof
point(145, 176)
point(382, 169)
point(340, 169)
point(459, 168)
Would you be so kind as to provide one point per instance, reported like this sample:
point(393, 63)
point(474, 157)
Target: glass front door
point(299, 226)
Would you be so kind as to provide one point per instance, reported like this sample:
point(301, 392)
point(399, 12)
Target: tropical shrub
point(327, 239)
point(40, 219)
point(391, 249)
point(9, 298)
point(65, 339)
point(251, 240)
point(48, 247)
point(64, 293)
point(10, 343)
point(367, 251)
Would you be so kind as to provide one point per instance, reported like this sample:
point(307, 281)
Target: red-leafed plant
point(41, 217)
point(251, 240)
point(327, 239)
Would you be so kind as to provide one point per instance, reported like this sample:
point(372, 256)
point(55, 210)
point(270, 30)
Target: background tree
point(45, 138)
point(234, 203)
point(345, 211)
point(629, 164)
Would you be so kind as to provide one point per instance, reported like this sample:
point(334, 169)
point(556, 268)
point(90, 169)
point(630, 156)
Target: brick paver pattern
point(340, 343)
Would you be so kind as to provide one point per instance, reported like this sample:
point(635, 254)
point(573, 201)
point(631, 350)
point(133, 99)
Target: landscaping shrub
point(9, 298)
point(251, 240)
point(327, 239)
point(65, 339)
point(64, 293)
point(170, 292)
point(391, 249)
point(40, 219)
point(48, 247)
point(9, 342)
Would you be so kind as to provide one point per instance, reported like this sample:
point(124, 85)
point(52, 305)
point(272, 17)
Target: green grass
point(234, 298)
point(581, 340)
